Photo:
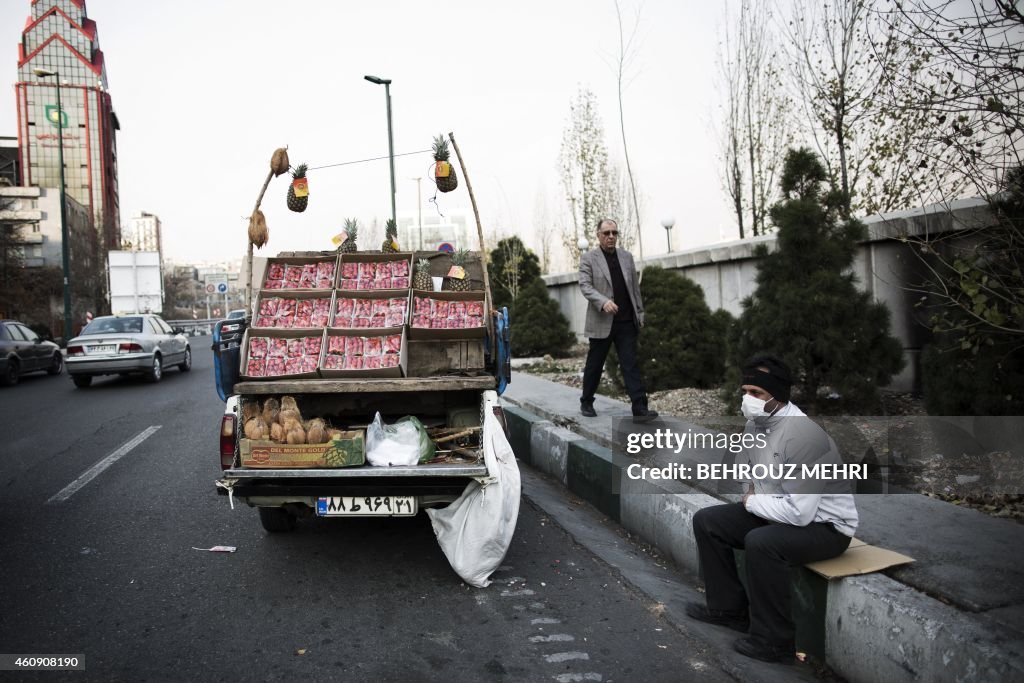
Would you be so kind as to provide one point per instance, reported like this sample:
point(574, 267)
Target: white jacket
point(792, 437)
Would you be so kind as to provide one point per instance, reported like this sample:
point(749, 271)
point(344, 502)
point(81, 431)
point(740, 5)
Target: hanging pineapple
point(349, 245)
point(298, 191)
point(444, 172)
point(421, 277)
point(457, 280)
point(390, 243)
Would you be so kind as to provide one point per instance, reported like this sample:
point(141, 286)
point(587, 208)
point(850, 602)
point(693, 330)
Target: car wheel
point(56, 365)
point(156, 372)
point(186, 364)
point(81, 381)
point(10, 376)
point(276, 520)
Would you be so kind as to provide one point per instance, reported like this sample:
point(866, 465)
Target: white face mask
point(753, 408)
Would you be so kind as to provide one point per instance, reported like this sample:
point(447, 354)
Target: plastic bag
point(403, 443)
point(476, 530)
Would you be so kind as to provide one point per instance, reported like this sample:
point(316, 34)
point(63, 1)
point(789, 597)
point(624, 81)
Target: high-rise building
point(58, 36)
point(144, 233)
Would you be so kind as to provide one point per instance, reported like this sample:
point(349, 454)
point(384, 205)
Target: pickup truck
point(449, 382)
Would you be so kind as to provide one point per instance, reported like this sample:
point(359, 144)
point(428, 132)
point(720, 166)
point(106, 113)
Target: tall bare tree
point(971, 55)
point(838, 54)
point(627, 52)
point(583, 163)
point(756, 119)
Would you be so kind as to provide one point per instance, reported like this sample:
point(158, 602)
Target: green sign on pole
point(56, 117)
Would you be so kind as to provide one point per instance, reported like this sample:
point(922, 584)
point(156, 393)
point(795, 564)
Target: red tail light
point(129, 347)
point(227, 441)
point(76, 351)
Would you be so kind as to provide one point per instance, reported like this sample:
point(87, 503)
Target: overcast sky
point(206, 89)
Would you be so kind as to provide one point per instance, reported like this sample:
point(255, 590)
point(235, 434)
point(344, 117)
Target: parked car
point(22, 350)
point(129, 344)
point(238, 313)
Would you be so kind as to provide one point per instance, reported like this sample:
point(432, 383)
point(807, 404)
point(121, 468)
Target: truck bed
point(365, 386)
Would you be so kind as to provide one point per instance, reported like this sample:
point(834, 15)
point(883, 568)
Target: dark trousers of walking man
point(623, 336)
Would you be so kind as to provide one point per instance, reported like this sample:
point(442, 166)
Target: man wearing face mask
point(780, 523)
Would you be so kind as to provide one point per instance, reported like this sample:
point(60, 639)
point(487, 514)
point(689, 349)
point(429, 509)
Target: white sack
point(476, 530)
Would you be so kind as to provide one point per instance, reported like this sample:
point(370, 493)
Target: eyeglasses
point(613, 233)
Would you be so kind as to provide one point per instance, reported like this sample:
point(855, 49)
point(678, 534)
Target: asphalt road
point(106, 568)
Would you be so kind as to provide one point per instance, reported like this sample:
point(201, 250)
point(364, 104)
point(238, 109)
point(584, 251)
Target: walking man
point(780, 524)
point(615, 314)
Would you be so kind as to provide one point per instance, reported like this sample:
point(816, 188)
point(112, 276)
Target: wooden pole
point(248, 264)
point(480, 235)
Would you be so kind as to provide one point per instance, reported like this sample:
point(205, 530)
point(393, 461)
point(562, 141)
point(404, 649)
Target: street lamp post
point(667, 223)
point(386, 82)
point(65, 247)
point(419, 210)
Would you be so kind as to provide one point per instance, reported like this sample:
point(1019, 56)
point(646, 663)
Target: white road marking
point(565, 656)
point(575, 678)
point(553, 638)
point(545, 620)
point(517, 593)
point(103, 464)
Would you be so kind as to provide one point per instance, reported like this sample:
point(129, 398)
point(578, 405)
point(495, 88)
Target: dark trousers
point(624, 334)
point(771, 550)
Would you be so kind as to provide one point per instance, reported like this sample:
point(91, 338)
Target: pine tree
point(806, 307)
point(511, 268)
point(538, 326)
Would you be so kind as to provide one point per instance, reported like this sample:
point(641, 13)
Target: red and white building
point(59, 36)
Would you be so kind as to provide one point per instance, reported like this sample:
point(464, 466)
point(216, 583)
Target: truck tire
point(276, 520)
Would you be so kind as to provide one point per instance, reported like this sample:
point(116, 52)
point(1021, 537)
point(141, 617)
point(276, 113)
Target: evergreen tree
point(511, 268)
point(538, 326)
point(806, 307)
point(682, 343)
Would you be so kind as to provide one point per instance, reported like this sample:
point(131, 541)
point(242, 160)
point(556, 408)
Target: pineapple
point(446, 181)
point(298, 191)
point(390, 243)
point(421, 278)
point(349, 245)
point(455, 284)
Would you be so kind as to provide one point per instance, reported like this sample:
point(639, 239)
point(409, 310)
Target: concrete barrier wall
point(884, 265)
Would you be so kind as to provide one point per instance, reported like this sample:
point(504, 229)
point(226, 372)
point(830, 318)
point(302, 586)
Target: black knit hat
point(777, 380)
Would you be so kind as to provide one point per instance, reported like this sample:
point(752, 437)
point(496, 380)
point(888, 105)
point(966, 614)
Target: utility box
point(136, 282)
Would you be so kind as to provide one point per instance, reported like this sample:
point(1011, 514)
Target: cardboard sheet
point(859, 558)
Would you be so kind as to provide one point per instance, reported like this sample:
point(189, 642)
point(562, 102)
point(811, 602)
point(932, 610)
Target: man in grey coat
point(615, 314)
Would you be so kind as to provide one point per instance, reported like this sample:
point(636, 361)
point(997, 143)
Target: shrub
point(512, 266)
point(538, 326)
point(956, 382)
point(682, 343)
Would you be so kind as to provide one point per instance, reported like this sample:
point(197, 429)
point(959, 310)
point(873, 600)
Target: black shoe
point(644, 415)
point(765, 653)
point(737, 621)
point(587, 410)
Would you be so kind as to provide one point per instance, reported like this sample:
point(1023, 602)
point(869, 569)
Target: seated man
point(780, 524)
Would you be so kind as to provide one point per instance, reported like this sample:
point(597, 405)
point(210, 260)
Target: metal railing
point(195, 328)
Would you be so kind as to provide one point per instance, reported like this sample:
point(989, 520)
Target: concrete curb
point(875, 628)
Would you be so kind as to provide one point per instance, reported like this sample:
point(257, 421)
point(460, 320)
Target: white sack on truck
point(476, 530)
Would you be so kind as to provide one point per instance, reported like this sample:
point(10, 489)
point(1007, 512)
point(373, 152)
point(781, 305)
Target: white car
point(129, 344)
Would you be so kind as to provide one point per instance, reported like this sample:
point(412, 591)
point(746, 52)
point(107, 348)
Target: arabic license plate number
point(102, 348)
point(366, 506)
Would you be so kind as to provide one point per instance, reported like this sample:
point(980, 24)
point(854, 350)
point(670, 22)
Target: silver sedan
point(128, 344)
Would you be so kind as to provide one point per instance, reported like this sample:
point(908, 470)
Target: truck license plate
point(364, 506)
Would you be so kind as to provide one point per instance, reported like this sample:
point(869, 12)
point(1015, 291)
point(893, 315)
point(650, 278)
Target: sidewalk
point(957, 613)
